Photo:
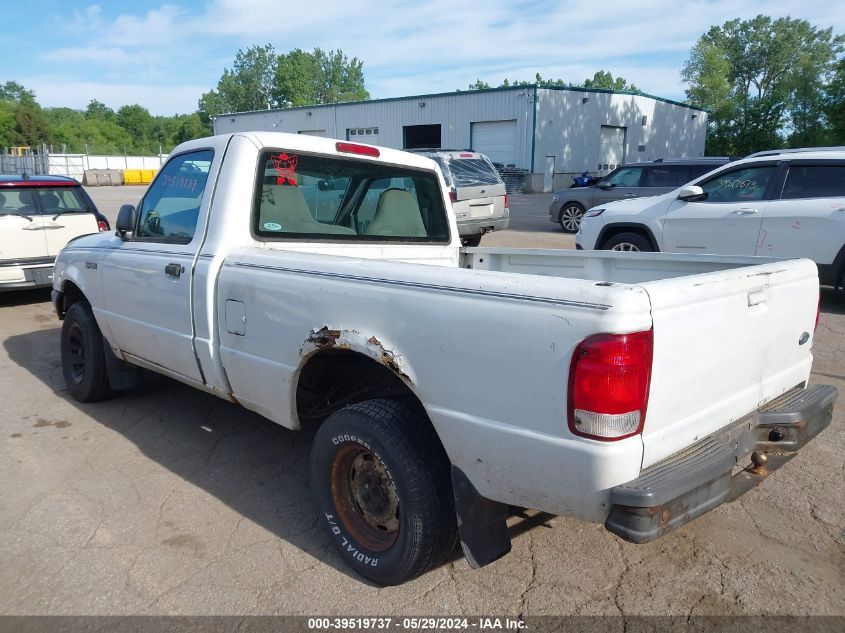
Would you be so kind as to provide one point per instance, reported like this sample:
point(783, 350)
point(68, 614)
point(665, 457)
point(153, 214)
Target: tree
point(138, 122)
point(603, 80)
point(13, 91)
point(480, 85)
point(304, 78)
point(835, 105)
point(247, 86)
point(758, 78)
point(99, 110)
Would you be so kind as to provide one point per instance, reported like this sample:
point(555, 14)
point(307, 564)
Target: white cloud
point(108, 56)
point(166, 100)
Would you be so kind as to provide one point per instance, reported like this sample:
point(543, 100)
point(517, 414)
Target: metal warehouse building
point(550, 133)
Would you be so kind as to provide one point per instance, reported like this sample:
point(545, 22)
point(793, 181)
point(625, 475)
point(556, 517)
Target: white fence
point(74, 165)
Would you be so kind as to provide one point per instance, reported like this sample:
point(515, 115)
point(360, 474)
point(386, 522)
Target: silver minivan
point(476, 189)
point(627, 181)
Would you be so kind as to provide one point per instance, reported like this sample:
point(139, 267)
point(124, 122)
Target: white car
point(777, 204)
point(39, 215)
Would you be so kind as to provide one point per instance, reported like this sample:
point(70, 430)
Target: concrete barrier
point(102, 177)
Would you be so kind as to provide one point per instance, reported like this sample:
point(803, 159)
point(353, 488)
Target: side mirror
point(691, 193)
point(126, 218)
point(605, 185)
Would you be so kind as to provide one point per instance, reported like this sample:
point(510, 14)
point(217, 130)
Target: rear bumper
point(26, 274)
point(476, 227)
point(696, 480)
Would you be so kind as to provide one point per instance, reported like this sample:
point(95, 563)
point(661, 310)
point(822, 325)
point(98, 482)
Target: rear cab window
point(313, 197)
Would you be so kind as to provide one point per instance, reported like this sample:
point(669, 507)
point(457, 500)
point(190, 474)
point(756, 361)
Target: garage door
point(496, 139)
point(611, 147)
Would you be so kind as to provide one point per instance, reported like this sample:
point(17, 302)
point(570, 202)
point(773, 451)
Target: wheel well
point(615, 229)
point(333, 379)
point(70, 294)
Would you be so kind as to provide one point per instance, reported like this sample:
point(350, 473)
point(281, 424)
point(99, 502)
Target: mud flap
point(482, 523)
point(122, 376)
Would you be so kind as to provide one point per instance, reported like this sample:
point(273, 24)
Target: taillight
point(608, 385)
point(453, 196)
point(818, 311)
point(102, 225)
point(506, 201)
point(354, 148)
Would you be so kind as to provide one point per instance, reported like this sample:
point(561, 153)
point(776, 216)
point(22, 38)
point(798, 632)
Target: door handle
point(630, 195)
point(174, 270)
point(745, 211)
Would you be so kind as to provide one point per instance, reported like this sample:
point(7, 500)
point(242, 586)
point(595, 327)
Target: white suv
point(780, 204)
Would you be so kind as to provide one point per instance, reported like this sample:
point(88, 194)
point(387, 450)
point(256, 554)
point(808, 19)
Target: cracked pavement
point(170, 501)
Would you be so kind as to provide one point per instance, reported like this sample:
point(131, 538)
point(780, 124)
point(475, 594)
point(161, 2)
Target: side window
point(666, 176)
point(170, 209)
point(739, 185)
point(625, 177)
point(814, 181)
point(15, 201)
point(324, 197)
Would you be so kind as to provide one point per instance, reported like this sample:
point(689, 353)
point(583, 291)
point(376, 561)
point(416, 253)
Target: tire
point(570, 216)
point(629, 242)
point(83, 355)
point(383, 483)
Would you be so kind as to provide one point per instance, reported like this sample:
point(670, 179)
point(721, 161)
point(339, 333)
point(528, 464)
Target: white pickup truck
point(322, 282)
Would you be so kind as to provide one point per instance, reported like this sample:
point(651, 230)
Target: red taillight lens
point(354, 148)
point(608, 385)
point(102, 225)
point(818, 311)
point(453, 196)
point(506, 201)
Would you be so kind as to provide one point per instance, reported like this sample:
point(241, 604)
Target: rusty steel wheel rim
point(365, 497)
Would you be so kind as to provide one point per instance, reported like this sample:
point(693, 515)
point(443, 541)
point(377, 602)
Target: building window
point(362, 131)
point(421, 136)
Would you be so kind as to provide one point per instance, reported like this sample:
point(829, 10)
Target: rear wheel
point(630, 242)
point(570, 217)
point(383, 483)
point(83, 355)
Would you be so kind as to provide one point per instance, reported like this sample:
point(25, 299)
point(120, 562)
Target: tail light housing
point(453, 196)
point(355, 148)
point(609, 380)
point(506, 202)
point(103, 226)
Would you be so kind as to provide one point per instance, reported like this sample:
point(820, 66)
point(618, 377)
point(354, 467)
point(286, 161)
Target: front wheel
point(630, 242)
point(83, 355)
point(382, 480)
point(570, 217)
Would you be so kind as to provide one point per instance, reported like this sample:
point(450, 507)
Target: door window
point(814, 181)
point(625, 177)
point(170, 210)
point(739, 185)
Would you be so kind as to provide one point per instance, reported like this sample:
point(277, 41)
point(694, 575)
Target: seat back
point(397, 215)
point(285, 205)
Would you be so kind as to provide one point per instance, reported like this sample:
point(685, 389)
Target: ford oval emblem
point(804, 338)
point(483, 191)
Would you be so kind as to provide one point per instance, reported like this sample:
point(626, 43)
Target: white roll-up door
point(611, 147)
point(496, 139)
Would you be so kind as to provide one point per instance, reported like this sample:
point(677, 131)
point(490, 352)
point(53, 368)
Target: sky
point(165, 55)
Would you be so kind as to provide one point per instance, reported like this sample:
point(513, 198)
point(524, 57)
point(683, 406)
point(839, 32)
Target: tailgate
point(724, 344)
point(480, 191)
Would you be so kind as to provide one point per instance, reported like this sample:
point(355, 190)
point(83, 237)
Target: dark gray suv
point(627, 181)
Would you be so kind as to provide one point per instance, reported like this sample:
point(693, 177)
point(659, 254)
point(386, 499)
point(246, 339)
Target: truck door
point(147, 279)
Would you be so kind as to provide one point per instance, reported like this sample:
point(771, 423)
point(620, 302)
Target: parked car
point(627, 181)
point(476, 189)
point(620, 394)
point(787, 204)
point(38, 216)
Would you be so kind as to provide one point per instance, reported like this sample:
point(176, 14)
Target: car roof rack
point(797, 150)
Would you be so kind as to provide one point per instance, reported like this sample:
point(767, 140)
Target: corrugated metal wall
point(567, 127)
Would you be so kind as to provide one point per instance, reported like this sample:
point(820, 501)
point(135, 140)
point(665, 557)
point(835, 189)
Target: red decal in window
point(285, 166)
